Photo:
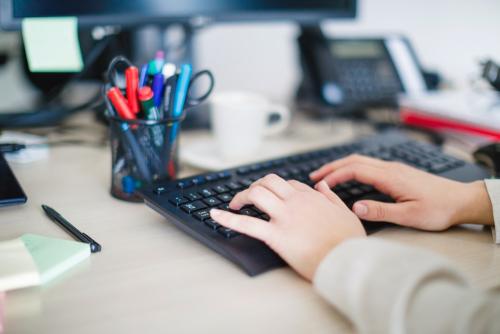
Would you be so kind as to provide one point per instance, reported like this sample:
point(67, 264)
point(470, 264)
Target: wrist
point(475, 205)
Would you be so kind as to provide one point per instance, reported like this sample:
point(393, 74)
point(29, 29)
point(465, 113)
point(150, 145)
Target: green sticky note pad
point(53, 257)
point(52, 44)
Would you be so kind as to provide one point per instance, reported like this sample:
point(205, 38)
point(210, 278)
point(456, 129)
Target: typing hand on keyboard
point(423, 200)
point(305, 224)
point(187, 202)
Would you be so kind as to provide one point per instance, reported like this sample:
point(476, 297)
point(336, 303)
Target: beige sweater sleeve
point(493, 187)
point(384, 287)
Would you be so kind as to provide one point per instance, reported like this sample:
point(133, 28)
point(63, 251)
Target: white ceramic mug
point(240, 120)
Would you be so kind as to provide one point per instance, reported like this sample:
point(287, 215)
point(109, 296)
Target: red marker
point(132, 80)
point(118, 100)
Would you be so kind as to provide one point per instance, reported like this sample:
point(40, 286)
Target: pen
point(181, 90)
point(57, 218)
point(168, 97)
point(157, 87)
point(132, 147)
point(120, 103)
point(146, 97)
point(132, 81)
point(159, 60)
point(168, 70)
point(144, 75)
point(180, 95)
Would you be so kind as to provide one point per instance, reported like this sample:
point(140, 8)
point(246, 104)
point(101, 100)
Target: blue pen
point(144, 75)
point(180, 95)
point(181, 90)
point(157, 87)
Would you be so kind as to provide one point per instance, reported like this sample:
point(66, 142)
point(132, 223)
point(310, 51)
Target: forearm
point(388, 288)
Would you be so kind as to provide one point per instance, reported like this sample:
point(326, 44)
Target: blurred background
point(449, 37)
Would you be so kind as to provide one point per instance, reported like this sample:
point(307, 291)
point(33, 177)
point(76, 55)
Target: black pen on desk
point(56, 217)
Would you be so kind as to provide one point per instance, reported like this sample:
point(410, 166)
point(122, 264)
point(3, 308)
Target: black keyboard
point(187, 202)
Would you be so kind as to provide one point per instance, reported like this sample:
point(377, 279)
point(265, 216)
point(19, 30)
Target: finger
point(253, 227)
point(398, 213)
point(354, 158)
point(299, 185)
point(261, 197)
point(323, 188)
point(374, 176)
point(277, 185)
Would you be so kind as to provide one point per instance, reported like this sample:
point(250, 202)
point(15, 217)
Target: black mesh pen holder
point(142, 152)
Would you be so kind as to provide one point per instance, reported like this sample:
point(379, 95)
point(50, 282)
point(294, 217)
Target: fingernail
point(313, 174)
point(323, 184)
point(360, 209)
point(215, 213)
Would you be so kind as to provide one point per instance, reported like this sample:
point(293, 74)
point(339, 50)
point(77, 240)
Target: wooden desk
point(152, 278)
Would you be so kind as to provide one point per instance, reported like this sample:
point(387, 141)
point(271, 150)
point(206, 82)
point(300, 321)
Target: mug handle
point(280, 125)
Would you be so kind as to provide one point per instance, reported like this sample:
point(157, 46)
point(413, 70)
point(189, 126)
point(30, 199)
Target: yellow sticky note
point(52, 44)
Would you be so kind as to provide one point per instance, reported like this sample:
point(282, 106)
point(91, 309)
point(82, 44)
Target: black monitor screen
point(130, 12)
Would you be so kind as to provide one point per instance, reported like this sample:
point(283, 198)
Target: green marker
point(149, 109)
point(147, 103)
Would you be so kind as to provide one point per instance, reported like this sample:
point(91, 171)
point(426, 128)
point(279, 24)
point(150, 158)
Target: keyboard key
point(224, 175)
point(225, 207)
point(192, 207)
point(212, 201)
point(243, 170)
point(193, 196)
point(225, 197)
point(439, 167)
point(221, 189)
point(355, 191)
point(160, 190)
point(198, 180)
point(211, 177)
point(366, 188)
point(207, 193)
point(227, 232)
point(234, 185)
point(178, 200)
point(184, 184)
point(256, 210)
point(246, 182)
point(278, 162)
point(202, 214)
point(283, 173)
point(212, 224)
point(294, 170)
point(256, 167)
point(248, 212)
point(267, 165)
point(343, 195)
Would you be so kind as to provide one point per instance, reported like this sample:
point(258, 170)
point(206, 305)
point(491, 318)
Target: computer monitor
point(133, 12)
point(129, 14)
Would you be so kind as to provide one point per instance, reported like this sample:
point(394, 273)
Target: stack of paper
point(462, 111)
point(33, 260)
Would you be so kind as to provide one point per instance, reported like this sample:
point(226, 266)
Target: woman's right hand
point(422, 200)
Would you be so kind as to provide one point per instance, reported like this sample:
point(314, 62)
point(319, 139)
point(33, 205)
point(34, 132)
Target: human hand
point(423, 200)
point(305, 223)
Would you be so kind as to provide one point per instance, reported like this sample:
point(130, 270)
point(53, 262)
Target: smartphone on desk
point(11, 192)
point(357, 72)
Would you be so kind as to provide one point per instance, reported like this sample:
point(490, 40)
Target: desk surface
point(151, 277)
